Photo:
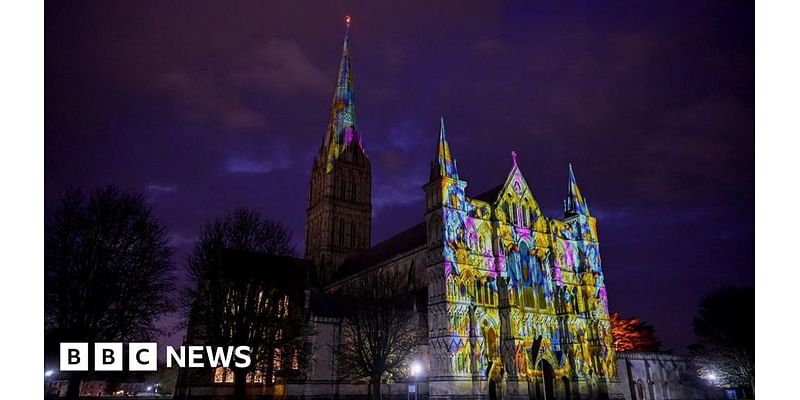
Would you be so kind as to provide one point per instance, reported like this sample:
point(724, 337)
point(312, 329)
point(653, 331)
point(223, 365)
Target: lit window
point(223, 375)
point(255, 377)
point(276, 360)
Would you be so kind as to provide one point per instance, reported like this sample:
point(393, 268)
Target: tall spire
point(443, 165)
point(574, 203)
point(342, 125)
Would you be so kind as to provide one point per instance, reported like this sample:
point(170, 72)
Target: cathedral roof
point(333, 305)
point(285, 271)
point(326, 304)
point(402, 242)
point(490, 196)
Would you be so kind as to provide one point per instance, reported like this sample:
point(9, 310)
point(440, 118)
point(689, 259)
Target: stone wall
point(656, 376)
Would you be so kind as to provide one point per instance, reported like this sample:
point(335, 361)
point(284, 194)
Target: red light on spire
point(347, 20)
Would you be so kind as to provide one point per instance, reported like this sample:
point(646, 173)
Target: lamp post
point(48, 375)
point(416, 371)
point(712, 377)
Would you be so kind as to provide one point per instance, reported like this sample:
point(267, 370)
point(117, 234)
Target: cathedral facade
point(513, 292)
point(513, 296)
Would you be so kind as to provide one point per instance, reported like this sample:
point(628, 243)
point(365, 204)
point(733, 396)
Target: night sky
point(206, 106)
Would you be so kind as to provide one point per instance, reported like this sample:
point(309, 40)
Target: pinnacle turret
point(575, 203)
point(443, 164)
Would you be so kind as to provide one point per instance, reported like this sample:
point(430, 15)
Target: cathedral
point(507, 287)
point(511, 297)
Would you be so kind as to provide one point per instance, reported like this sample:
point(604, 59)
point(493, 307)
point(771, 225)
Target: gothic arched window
point(525, 268)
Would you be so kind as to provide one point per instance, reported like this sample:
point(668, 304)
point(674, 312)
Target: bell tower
point(339, 213)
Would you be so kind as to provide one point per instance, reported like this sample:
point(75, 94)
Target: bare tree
point(725, 327)
point(380, 332)
point(240, 296)
point(242, 230)
point(107, 271)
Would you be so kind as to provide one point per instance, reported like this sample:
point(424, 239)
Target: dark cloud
point(282, 66)
point(204, 98)
point(220, 92)
point(207, 106)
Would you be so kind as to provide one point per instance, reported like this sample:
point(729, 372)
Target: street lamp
point(47, 381)
point(416, 371)
point(416, 368)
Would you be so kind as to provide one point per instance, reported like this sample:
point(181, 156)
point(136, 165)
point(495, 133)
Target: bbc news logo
point(144, 356)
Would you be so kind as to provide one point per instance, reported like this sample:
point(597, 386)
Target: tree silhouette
point(244, 292)
point(107, 271)
point(633, 334)
point(724, 325)
point(380, 332)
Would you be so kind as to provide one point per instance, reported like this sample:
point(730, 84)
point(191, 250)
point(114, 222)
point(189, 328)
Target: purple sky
point(206, 106)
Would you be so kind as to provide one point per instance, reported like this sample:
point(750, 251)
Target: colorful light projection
point(342, 125)
point(575, 203)
point(513, 274)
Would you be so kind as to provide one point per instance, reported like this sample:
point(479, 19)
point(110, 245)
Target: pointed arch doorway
point(547, 379)
point(565, 388)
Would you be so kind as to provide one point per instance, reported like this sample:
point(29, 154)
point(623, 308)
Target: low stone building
point(657, 376)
